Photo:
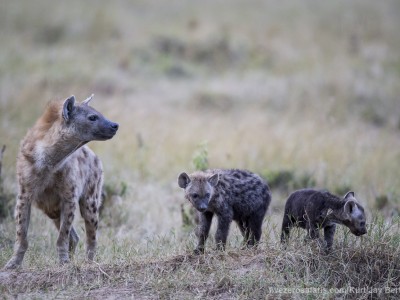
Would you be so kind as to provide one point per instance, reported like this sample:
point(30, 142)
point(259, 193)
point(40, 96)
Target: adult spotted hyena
point(313, 210)
point(56, 171)
point(236, 195)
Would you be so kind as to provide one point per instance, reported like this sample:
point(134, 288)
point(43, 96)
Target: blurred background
point(305, 93)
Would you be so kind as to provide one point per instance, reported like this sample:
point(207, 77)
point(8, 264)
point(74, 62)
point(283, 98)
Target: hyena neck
point(335, 210)
point(334, 207)
point(52, 150)
point(335, 217)
point(333, 202)
point(58, 154)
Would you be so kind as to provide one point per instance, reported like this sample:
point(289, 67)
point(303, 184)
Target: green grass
point(307, 90)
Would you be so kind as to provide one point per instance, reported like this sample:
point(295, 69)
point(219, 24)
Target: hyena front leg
point(286, 227)
point(89, 211)
point(313, 234)
point(329, 233)
point(22, 217)
point(203, 230)
point(312, 230)
point(221, 235)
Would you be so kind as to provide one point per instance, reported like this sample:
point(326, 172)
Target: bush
point(111, 210)
point(288, 180)
point(200, 157)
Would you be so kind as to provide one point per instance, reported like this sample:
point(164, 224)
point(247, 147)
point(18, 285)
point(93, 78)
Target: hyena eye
point(93, 117)
point(195, 196)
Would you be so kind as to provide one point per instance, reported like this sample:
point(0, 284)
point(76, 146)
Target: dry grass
point(165, 269)
point(308, 88)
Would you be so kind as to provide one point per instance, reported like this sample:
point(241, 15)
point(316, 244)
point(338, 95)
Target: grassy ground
point(304, 93)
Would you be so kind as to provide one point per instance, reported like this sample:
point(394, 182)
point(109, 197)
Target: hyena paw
point(220, 247)
point(90, 255)
point(198, 251)
point(64, 260)
point(12, 264)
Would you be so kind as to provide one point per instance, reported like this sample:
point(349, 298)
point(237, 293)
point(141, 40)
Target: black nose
point(114, 126)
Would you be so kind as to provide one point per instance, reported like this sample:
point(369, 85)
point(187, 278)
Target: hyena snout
point(360, 231)
point(112, 128)
point(202, 206)
point(200, 203)
point(355, 215)
point(358, 228)
point(107, 130)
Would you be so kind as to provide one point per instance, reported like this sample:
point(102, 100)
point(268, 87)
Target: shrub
point(200, 157)
point(288, 180)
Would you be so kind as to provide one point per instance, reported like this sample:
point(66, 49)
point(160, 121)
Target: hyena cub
point(313, 210)
point(236, 195)
point(56, 171)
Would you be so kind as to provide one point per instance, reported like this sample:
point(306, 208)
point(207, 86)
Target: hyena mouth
point(201, 208)
point(106, 135)
point(359, 233)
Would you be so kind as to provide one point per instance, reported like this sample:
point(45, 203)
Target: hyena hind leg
point(73, 241)
point(73, 238)
point(89, 212)
point(65, 228)
point(244, 230)
point(255, 227)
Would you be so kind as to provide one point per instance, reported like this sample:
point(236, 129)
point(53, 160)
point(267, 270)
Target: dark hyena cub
point(236, 195)
point(312, 210)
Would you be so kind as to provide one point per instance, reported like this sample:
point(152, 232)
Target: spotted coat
point(57, 172)
point(231, 195)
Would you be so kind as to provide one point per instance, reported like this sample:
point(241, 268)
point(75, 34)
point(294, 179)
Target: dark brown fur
point(313, 210)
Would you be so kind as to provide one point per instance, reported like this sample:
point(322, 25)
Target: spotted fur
point(57, 172)
point(236, 195)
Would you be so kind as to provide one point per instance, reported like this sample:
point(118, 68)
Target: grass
point(165, 267)
point(303, 93)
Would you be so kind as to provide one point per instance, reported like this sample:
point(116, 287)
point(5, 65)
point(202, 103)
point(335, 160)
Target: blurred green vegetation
point(305, 97)
point(305, 93)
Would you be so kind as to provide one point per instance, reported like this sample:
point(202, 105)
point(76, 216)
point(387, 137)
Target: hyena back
point(236, 195)
point(313, 210)
point(56, 171)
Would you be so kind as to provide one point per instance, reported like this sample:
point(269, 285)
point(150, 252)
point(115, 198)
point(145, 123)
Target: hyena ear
point(213, 180)
point(183, 180)
point(349, 195)
point(86, 102)
point(351, 209)
point(348, 209)
point(68, 107)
